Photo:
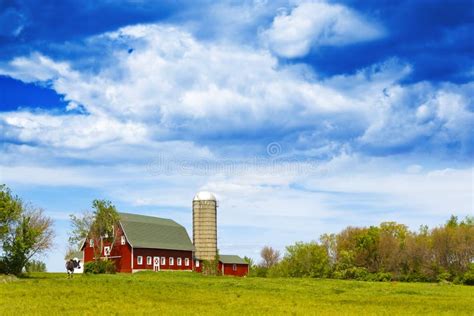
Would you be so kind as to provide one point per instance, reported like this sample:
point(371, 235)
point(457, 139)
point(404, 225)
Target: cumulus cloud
point(317, 23)
point(173, 86)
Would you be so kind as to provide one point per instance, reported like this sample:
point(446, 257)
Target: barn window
point(234, 267)
point(122, 240)
point(107, 251)
point(197, 263)
point(178, 261)
point(163, 261)
point(186, 262)
point(140, 260)
point(148, 260)
point(91, 243)
point(171, 261)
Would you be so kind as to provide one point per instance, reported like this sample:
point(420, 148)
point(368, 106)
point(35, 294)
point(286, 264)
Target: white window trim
point(179, 261)
point(186, 262)
point(107, 251)
point(149, 260)
point(171, 261)
point(234, 267)
point(91, 243)
point(122, 240)
point(139, 260)
point(163, 261)
point(197, 263)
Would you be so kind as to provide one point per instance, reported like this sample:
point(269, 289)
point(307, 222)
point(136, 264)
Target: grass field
point(188, 293)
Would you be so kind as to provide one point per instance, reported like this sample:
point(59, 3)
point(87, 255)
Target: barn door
point(156, 263)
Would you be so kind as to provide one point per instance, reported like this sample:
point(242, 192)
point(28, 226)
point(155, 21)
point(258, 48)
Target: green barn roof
point(154, 232)
point(228, 259)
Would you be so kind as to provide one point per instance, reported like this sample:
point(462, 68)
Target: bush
point(444, 276)
point(3, 267)
point(468, 277)
point(357, 273)
point(414, 277)
point(382, 276)
point(100, 267)
point(35, 266)
point(259, 271)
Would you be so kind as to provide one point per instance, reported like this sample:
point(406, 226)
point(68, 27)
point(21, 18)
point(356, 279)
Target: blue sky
point(302, 116)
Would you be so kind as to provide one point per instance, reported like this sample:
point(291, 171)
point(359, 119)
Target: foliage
point(270, 256)
point(11, 208)
point(211, 267)
point(81, 225)
point(384, 253)
point(25, 232)
point(468, 277)
point(100, 267)
point(305, 260)
point(98, 225)
point(35, 266)
point(182, 293)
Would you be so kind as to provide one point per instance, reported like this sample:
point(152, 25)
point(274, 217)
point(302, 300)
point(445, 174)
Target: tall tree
point(81, 226)
point(270, 256)
point(10, 210)
point(99, 226)
point(25, 232)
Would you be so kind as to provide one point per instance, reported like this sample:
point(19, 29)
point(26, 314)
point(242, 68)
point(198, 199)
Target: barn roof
point(154, 232)
point(228, 259)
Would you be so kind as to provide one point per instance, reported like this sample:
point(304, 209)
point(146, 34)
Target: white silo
point(205, 225)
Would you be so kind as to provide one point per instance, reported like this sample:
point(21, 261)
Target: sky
point(303, 117)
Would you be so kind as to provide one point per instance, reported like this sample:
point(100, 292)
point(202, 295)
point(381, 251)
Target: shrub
point(100, 267)
point(444, 276)
point(3, 267)
point(35, 266)
point(357, 273)
point(468, 277)
point(414, 277)
point(382, 276)
point(259, 271)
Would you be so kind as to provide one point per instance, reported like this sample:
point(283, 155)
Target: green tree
point(303, 260)
point(81, 226)
point(103, 226)
point(25, 232)
point(10, 210)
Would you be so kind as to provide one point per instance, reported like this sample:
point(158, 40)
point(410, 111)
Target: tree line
point(389, 251)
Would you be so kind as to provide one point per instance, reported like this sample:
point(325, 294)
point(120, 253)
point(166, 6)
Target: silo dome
point(204, 196)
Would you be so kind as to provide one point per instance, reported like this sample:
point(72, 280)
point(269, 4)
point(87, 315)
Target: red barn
point(146, 243)
point(157, 244)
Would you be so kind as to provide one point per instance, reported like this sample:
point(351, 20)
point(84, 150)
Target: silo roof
point(154, 232)
point(204, 196)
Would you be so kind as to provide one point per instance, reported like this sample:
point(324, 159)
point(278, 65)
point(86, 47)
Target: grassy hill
point(188, 293)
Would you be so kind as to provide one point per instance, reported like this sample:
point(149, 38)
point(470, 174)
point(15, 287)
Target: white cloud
point(173, 86)
point(70, 131)
point(317, 23)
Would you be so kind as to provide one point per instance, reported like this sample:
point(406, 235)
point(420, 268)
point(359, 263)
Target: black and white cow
point(72, 264)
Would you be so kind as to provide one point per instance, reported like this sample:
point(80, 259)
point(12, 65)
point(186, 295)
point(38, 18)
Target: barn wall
point(162, 253)
point(242, 269)
point(121, 254)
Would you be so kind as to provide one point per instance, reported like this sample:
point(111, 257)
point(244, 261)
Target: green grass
point(188, 293)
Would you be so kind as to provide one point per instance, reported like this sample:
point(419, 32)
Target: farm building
point(153, 243)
